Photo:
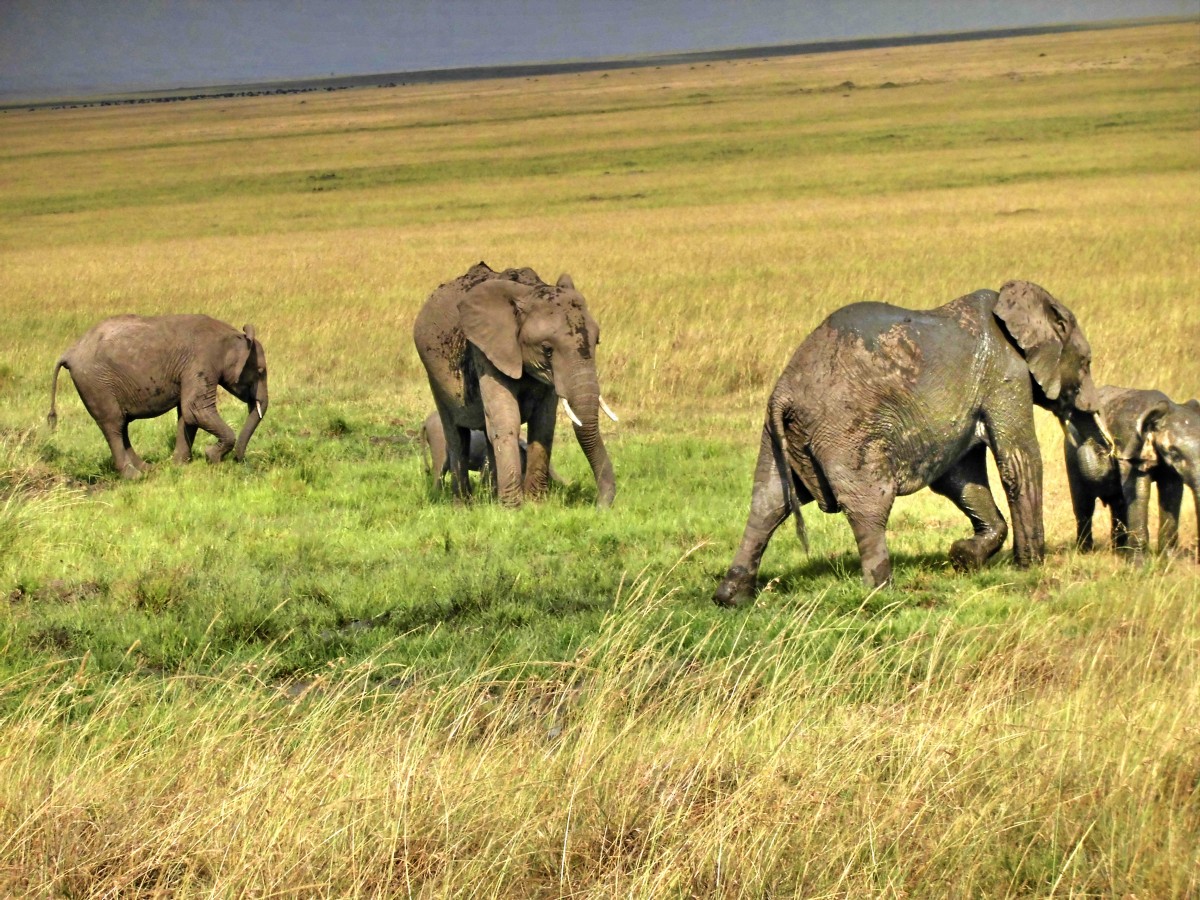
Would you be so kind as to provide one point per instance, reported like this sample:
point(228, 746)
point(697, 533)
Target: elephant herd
point(876, 403)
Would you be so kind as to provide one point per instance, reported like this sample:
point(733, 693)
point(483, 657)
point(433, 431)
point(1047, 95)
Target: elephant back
point(479, 273)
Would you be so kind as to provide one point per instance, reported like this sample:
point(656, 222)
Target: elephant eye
point(547, 349)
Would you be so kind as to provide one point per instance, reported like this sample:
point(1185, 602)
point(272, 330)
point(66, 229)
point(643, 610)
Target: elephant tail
point(52, 416)
point(776, 409)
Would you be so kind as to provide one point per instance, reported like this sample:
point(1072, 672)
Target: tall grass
point(313, 675)
point(1048, 751)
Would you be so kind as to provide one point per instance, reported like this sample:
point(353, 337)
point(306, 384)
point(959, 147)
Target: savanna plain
point(311, 674)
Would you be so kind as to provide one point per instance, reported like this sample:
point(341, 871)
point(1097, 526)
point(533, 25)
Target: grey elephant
point(879, 402)
point(501, 349)
point(437, 460)
point(1157, 441)
point(138, 367)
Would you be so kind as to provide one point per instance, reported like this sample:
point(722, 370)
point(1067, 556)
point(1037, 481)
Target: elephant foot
point(536, 492)
point(181, 459)
point(968, 555)
point(215, 454)
point(1134, 556)
point(737, 587)
point(130, 472)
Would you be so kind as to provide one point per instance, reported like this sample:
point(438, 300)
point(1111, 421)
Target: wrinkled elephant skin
point(879, 402)
point(1157, 442)
point(138, 367)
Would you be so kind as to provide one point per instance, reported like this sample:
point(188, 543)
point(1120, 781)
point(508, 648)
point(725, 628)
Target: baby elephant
point(1157, 441)
point(437, 460)
point(138, 367)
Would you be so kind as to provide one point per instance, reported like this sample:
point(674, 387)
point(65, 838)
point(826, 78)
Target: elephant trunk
point(255, 410)
point(583, 396)
point(1087, 401)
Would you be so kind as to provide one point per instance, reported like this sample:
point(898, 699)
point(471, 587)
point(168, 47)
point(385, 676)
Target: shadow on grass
point(918, 579)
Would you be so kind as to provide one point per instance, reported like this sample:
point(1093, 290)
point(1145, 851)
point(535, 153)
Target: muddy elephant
point(879, 402)
point(1157, 442)
point(138, 367)
point(501, 349)
point(437, 462)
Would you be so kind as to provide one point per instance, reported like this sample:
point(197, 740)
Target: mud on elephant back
point(139, 367)
point(879, 402)
point(501, 349)
point(1157, 443)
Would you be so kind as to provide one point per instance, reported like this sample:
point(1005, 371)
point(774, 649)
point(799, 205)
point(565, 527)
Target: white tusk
point(608, 412)
point(571, 413)
point(258, 406)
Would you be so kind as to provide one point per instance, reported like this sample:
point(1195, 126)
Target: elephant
point(501, 349)
point(437, 461)
point(880, 401)
point(1156, 441)
point(138, 367)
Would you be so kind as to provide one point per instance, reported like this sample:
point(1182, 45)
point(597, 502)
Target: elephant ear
point(1040, 326)
point(1148, 423)
point(488, 314)
point(565, 281)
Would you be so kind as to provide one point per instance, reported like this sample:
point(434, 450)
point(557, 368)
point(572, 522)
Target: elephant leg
point(868, 521)
point(1020, 463)
point(966, 485)
point(185, 437)
point(537, 451)
point(1135, 485)
point(114, 433)
point(1170, 502)
point(487, 471)
point(198, 401)
point(768, 510)
point(502, 421)
point(1120, 523)
point(457, 450)
point(1083, 504)
point(130, 453)
point(111, 418)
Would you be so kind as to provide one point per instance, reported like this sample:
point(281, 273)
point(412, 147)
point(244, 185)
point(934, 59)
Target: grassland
point(311, 675)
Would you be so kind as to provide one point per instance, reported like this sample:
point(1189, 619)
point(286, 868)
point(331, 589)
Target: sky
point(73, 48)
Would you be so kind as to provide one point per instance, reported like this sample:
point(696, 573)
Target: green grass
point(312, 674)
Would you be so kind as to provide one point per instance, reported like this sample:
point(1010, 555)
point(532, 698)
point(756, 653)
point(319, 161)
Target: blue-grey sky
point(51, 48)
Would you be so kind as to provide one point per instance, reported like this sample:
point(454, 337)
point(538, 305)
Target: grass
point(312, 675)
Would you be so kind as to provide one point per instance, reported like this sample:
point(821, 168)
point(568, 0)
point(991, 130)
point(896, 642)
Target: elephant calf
point(1157, 441)
point(138, 367)
point(436, 454)
point(879, 402)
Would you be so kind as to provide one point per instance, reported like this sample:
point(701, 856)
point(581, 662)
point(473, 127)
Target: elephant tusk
point(570, 412)
point(1112, 443)
point(608, 412)
point(258, 407)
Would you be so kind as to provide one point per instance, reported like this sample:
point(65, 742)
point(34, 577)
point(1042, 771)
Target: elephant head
point(1169, 435)
point(546, 333)
point(244, 375)
point(1055, 349)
